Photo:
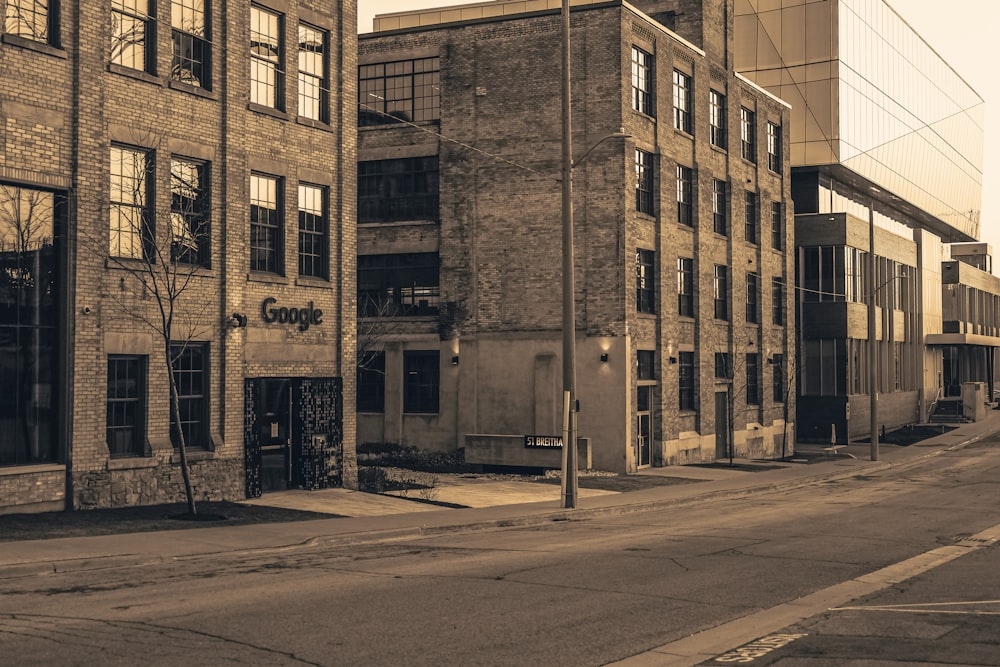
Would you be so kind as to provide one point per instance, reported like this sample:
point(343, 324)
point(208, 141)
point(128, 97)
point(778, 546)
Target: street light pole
point(872, 343)
point(570, 467)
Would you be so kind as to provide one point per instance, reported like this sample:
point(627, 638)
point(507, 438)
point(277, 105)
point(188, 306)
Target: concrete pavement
point(374, 518)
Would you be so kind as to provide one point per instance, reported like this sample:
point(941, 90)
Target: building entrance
point(292, 434)
point(722, 425)
point(644, 428)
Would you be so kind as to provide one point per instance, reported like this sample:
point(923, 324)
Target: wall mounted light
point(604, 357)
point(673, 360)
point(454, 360)
point(237, 321)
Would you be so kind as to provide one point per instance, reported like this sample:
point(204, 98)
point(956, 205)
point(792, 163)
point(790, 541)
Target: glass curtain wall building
point(886, 144)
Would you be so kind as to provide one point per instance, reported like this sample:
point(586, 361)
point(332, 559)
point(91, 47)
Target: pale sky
point(960, 31)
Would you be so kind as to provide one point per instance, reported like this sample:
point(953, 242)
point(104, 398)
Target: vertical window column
point(126, 406)
point(643, 182)
point(267, 71)
point(314, 78)
point(645, 284)
point(266, 224)
point(190, 35)
point(642, 81)
point(131, 234)
point(132, 29)
point(685, 215)
point(313, 234)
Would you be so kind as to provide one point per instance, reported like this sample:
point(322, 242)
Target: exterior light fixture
point(237, 321)
point(454, 360)
point(604, 357)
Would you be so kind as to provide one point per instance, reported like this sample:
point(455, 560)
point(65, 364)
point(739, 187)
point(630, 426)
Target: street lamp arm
point(620, 134)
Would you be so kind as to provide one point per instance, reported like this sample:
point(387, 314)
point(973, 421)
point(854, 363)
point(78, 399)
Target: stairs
point(948, 412)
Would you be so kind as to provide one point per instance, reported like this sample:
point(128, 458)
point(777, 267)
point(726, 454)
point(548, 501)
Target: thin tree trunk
point(175, 408)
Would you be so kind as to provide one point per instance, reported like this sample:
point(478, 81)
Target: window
point(267, 67)
point(190, 63)
point(753, 289)
point(406, 90)
point(685, 215)
point(645, 285)
point(314, 83)
point(642, 81)
point(833, 273)
point(753, 378)
point(685, 286)
point(371, 383)
point(751, 217)
point(313, 235)
point(722, 365)
point(131, 216)
point(773, 147)
point(126, 420)
point(748, 134)
point(266, 225)
point(645, 363)
point(32, 224)
point(720, 212)
point(777, 226)
point(778, 301)
point(190, 368)
point(824, 362)
point(643, 182)
point(778, 378)
point(685, 381)
point(421, 381)
point(720, 292)
point(132, 32)
point(398, 190)
point(31, 19)
point(717, 124)
point(400, 284)
point(682, 102)
point(191, 240)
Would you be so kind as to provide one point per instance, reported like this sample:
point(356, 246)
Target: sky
point(961, 34)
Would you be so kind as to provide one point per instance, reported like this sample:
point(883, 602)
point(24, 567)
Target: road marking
point(930, 608)
point(757, 649)
point(714, 642)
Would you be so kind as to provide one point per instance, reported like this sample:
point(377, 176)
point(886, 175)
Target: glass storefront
point(869, 93)
point(30, 284)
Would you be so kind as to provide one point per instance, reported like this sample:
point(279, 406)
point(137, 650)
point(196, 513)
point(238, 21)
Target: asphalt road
point(786, 576)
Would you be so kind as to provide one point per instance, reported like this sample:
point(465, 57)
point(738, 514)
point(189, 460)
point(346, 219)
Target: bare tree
point(739, 382)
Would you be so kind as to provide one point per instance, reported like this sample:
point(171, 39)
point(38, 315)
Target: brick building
point(681, 232)
point(191, 154)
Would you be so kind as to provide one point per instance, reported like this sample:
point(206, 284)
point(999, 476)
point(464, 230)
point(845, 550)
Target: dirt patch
point(85, 523)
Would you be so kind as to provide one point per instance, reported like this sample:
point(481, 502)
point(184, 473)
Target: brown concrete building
point(681, 232)
point(190, 154)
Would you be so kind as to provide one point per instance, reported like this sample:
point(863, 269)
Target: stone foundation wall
point(159, 483)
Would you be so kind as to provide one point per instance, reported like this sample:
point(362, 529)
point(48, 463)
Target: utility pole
point(569, 472)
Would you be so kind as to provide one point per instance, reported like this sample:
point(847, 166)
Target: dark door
point(644, 427)
point(721, 425)
point(274, 432)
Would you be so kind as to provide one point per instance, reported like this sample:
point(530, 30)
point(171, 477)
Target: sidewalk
point(373, 518)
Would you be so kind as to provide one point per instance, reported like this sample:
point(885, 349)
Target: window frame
point(310, 81)
point(371, 384)
point(376, 106)
point(753, 378)
point(642, 81)
point(753, 298)
point(748, 134)
point(188, 44)
point(682, 98)
point(44, 13)
point(718, 119)
point(268, 91)
point(778, 378)
point(685, 195)
point(645, 281)
point(720, 207)
point(269, 256)
point(120, 12)
point(422, 395)
point(722, 367)
point(686, 398)
point(778, 301)
point(774, 161)
point(644, 182)
point(685, 286)
point(720, 292)
point(751, 217)
point(389, 284)
point(191, 350)
point(399, 190)
point(314, 240)
point(777, 225)
point(142, 237)
point(138, 400)
point(197, 220)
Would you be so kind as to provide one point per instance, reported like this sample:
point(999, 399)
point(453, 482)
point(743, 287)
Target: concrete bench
point(510, 451)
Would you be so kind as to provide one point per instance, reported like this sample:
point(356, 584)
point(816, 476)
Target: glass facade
point(868, 93)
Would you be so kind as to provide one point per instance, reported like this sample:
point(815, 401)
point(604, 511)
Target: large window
point(751, 217)
point(685, 215)
point(748, 134)
point(833, 273)
point(777, 226)
point(824, 366)
point(31, 224)
point(720, 211)
point(132, 35)
point(778, 378)
point(645, 365)
point(685, 381)
point(778, 301)
point(682, 102)
point(421, 381)
point(753, 298)
point(313, 231)
point(190, 368)
point(126, 406)
point(267, 58)
point(131, 193)
point(642, 81)
point(720, 292)
point(685, 286)
point(371, 383)
point(31, 19)
point(266, 224)
point(192, 43)
point(722, 369)
point(400, 284)
point(773, 147)
point(717, 122)
point(398, 190)
point(645, 283)
point(406, 90)
point(753, 378)
point(314, 81)
point(643, 181)
point(191, 240)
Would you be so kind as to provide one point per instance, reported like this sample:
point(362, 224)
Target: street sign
point(543, 441)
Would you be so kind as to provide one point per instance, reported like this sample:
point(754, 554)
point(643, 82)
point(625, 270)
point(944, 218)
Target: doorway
point(644, 427)
point(722, 425)
point(274, 424)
